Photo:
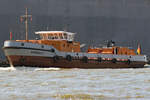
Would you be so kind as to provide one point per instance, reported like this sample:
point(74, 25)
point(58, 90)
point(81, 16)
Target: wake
point(47, 69)
point(7, 69)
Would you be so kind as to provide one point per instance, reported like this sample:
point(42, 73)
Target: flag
point(31, 18)
point(139, 49)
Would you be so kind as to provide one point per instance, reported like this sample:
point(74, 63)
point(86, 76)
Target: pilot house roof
point(56, 35)
point(54, 32)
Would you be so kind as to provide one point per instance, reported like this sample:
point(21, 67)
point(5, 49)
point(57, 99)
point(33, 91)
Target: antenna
point(67, 16)
point(25, 19)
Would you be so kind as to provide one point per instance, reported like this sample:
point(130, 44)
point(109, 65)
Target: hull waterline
point(63, 63)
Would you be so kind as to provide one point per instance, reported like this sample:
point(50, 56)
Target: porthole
point(22, 44)
point(42, 46)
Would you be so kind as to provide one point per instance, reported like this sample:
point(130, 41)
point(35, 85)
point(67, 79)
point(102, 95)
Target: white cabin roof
point(56, 35)
point(54, 32)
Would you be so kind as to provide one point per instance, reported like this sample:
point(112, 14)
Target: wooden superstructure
point(61, 40)
point(64, 41)
point(110, 48)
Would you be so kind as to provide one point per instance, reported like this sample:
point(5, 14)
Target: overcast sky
point(126, 21)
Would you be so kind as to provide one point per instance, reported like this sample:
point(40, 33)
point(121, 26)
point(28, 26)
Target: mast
point(26, 23)
point(25, 19)
point(67, 16)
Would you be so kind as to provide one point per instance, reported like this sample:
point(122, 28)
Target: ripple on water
point(78, 97)
point(75, 84)
point(7, 69)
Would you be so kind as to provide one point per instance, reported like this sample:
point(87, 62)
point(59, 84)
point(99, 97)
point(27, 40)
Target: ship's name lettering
point(36, 52)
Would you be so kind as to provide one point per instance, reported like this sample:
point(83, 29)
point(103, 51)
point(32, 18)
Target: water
point(24, 83)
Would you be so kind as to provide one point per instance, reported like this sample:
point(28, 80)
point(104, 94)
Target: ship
point(59, 49)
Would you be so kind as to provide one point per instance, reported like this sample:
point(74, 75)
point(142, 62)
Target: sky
point(125, 21)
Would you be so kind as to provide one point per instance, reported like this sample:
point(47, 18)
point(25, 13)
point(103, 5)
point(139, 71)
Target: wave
point(7, 68)
point(147, 65)
point(24, 68)
point(47, 69)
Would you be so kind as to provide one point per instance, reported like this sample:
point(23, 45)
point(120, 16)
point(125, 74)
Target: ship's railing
point(142, 58)
point(28, 45)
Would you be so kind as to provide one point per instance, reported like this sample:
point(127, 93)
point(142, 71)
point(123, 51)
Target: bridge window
point(56, 37)
point(61, 37)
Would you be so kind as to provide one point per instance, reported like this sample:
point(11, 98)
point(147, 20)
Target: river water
point(24, 83)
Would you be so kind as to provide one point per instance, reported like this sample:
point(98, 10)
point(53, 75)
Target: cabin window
point(61, 37)
point(56, 37)
point(65, 36)
point(49, 37)
point(63, 45)
point(44, 36)
point(67, 45)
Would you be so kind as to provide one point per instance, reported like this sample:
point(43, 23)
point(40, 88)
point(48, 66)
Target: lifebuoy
point(85, 59)
point(114, 60)
point(55, 58)
point(69, 58)
point(99, 59)
point(52, 50)
point(128, 61)
point(22, 60)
